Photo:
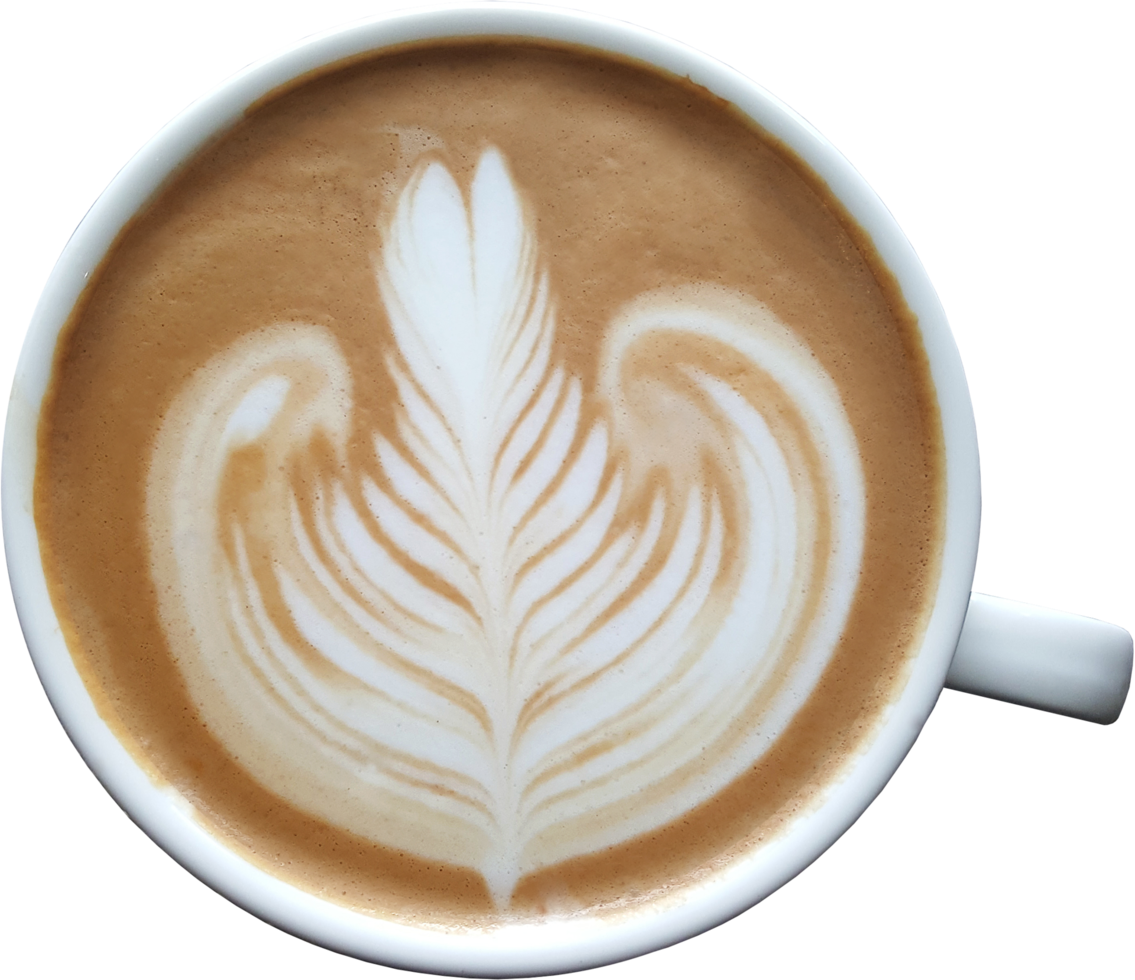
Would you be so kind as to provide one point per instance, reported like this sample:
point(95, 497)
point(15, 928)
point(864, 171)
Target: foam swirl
point(544, 615)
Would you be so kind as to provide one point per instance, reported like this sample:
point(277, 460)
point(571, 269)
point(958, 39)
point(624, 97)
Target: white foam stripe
point(699, 696)
point(537, 640)
point(626, 627)
point(429, 442)
point(386, 643)
point(280, 676)
point(500, 242)
point(567, 615)
point(430, 291)
point(526, 434)
point(549, 459)
point(771, 496)
point(765, 588)
point(400, 625)
point(427, 369)
point(422, 496)
point(454, 738)
point(575, 495)
point(256, 411)
point(667, 601)
point(403, 589)
point(651, 686)
point(518, 338)
point(524, 363)
point(426, 549)
point(547, 575)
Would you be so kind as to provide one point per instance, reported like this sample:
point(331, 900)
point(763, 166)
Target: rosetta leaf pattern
point(529, 628)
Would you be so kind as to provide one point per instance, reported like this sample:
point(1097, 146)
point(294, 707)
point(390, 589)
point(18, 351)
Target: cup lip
point(514, 950)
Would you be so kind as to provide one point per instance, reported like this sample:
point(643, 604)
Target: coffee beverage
point(493, 480)
point(994, 807)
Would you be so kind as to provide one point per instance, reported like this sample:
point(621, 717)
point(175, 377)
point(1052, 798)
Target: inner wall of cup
point(513, 950)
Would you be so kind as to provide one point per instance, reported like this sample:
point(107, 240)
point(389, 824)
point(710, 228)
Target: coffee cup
point(632, 952)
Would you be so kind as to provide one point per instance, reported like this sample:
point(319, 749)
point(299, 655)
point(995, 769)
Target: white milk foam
point(477, 651)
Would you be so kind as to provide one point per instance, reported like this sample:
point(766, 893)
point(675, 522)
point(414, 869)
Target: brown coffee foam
point(276, 222)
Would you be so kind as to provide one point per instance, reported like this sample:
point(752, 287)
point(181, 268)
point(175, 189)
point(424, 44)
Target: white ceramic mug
point(825, 829)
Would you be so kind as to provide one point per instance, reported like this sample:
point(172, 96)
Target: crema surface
point(493, 480)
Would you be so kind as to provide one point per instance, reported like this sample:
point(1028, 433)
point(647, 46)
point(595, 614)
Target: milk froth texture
point(492, 480)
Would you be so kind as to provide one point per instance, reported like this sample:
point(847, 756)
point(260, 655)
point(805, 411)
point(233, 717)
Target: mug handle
point(1023, 654)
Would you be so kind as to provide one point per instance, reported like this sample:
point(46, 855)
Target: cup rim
point(514, 950)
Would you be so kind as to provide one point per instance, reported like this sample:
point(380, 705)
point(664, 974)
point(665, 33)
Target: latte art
point(550, 613)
